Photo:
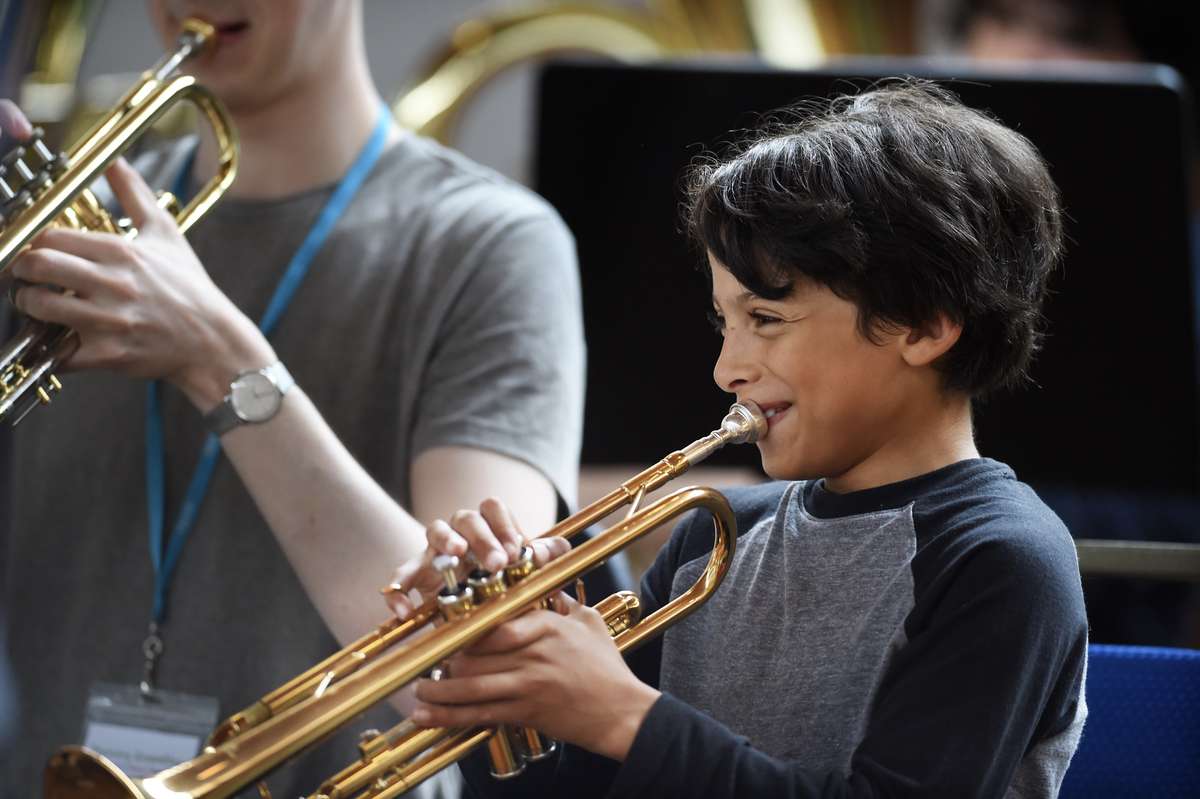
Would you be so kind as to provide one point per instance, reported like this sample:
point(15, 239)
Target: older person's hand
point(490, 537)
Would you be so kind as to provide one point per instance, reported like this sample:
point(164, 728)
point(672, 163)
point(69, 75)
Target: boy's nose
point(732, 370)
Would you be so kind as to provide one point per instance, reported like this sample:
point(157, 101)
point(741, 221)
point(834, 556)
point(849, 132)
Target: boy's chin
point(784, 469)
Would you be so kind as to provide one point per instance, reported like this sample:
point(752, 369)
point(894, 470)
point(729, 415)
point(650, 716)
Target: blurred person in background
point(1081, 31)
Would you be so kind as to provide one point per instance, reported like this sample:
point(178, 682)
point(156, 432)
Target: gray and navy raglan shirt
point(924, 638)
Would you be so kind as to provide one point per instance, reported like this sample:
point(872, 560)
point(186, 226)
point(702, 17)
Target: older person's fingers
point(13, 121)
point(484, 544)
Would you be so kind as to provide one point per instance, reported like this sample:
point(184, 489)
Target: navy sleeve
point(997, 663)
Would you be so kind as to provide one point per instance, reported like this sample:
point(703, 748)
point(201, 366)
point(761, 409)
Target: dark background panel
point(1114, 401)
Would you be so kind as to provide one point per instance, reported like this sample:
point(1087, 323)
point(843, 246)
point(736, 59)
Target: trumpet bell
point(76, 771)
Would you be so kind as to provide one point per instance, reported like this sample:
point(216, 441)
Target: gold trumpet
point(39, 189)
point(328, 696)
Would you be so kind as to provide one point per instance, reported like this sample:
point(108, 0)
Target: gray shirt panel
point(839, 590)
point(1041, 773)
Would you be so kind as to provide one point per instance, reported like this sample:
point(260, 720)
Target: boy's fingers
point(487, 714)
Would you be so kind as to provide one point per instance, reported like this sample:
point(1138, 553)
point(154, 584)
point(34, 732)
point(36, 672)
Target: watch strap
point(223, 418)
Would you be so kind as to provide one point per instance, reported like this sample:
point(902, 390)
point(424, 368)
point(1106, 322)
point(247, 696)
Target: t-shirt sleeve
point(507, 372)
point(998, 667)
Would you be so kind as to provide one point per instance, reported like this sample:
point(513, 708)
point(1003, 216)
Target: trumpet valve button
point(22, 169)
point(12, 156)
point(39, 146)
point(448, 566)
point(487, 586)
point(457, 603)
point(522, 568)
point(169, 203)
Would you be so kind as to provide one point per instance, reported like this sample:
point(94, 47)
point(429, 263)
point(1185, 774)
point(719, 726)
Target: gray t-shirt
point(442, 310)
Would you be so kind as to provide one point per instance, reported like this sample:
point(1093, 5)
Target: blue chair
point(1142, 736)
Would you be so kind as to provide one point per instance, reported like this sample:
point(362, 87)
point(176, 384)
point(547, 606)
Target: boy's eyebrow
point(741, 299)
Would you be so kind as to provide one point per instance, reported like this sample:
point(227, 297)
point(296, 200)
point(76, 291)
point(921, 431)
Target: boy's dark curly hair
point(903, 201)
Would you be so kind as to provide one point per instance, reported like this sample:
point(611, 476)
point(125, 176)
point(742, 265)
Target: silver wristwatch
point(253, 398)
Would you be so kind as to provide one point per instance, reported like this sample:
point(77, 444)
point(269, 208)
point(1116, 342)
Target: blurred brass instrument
point(39, 189)
point(285, 722)
point(784, 32)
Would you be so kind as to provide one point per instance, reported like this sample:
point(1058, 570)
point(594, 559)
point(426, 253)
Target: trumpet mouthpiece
point(745, 423)
point(197, 32)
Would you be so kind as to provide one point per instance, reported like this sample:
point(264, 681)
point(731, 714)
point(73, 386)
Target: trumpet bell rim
point(76, 771)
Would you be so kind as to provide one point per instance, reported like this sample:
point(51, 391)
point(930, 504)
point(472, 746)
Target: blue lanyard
point(165, 561)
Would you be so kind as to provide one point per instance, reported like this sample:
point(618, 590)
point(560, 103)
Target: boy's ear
point(924, 345)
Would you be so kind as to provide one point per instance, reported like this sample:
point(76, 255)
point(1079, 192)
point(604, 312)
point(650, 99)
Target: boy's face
point(834, 399)
point(265, 48)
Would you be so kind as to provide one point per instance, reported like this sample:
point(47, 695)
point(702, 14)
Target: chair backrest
point(1142, 736)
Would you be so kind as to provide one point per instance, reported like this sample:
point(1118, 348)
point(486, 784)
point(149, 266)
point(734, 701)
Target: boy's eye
point(762, 320)
point(717, 321)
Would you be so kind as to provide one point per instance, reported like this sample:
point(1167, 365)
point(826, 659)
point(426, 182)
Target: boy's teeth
point(770, 413)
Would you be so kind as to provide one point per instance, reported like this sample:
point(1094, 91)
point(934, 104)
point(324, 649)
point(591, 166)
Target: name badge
point(143, 735)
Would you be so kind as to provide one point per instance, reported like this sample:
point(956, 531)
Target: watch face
point(254, 397)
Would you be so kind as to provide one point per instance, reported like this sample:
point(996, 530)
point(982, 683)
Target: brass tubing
point(392, 749)
point(302, 687)
point(88, 167)
point(227, 150)
point(358, 776)
point(444, 754)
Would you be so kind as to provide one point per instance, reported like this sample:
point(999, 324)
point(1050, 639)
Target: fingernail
point(420, 716)
point(513, 550)
point(496, 561)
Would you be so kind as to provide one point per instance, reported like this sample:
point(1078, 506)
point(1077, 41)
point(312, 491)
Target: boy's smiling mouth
point(773, 410)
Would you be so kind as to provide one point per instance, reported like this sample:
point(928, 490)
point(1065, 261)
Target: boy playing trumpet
point(902, 617)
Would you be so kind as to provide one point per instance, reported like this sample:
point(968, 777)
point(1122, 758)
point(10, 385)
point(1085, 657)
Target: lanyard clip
point(152, 649)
